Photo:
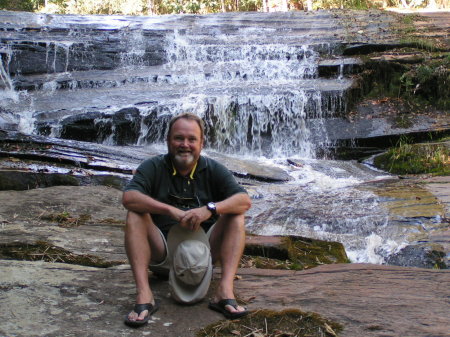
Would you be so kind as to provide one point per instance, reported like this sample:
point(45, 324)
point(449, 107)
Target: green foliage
point(126, 7)
point(130, 7)
point(21, 5)
point(146, 7)
point(384, 79)
point(406, 158)
point(430, 81)
point(410, 19)
point(423, 83)
point(349, 4)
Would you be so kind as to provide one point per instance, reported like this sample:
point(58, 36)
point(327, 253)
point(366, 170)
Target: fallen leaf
point(329, 329)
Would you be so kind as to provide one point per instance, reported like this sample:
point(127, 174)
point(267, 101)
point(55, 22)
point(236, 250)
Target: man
point(217, 207)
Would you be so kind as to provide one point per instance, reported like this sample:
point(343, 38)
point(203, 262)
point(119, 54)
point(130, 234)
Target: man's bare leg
point(227, 245)
point(142, 242)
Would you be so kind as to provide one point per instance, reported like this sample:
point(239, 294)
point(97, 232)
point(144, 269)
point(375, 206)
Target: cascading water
point(254, 81)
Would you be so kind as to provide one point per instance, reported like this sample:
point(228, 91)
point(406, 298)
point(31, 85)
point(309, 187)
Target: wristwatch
point(211, 207)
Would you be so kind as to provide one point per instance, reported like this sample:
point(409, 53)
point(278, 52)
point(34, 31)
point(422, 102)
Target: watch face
point(211, 206)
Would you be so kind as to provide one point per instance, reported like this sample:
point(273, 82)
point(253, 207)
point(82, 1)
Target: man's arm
point(141, 203)
point(238, 203)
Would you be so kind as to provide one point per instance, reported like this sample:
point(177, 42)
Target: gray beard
point(182, 161)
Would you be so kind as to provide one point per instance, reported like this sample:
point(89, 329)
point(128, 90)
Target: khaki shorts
point(163, 268)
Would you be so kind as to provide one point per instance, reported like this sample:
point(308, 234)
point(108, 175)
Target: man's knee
point(237, 221)
point(232, 224)
point(137, 221)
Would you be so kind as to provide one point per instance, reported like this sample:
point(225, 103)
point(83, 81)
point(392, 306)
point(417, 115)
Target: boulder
point(420, 255)
point(84, 127)
point(293, 252)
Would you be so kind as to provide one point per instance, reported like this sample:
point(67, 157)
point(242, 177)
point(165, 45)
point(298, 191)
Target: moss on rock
point(269, 323)
point(430, 158)
point(293, 252)
point(64, 219)
point(307, 253)
point(44, 251)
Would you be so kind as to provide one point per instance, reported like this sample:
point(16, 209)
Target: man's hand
point(176, 213)
point(193, 218)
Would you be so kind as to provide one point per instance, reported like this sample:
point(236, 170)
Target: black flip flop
point(220, 307)
point(138, 308)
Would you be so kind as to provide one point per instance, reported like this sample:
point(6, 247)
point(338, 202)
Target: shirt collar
point(199, 166)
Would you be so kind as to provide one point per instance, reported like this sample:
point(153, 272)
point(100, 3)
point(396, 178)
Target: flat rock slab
point(439, 186)
point(369, 300)
point(55, 299)
point(25, 218)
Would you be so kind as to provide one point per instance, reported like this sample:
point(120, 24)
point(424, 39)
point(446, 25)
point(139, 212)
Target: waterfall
point(257, 88)
point(6, 83)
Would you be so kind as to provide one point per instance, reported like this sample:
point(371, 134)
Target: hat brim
point(177, 234)
point(181, 292)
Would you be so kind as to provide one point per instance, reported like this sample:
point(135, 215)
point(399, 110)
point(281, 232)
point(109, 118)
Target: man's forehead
point(185, 125)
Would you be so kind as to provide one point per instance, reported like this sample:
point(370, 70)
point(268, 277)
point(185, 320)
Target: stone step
point(48, 44)
point(339, 67)
point(220, 23)
point(45, 103)
point(236, 71)
point(26, 57)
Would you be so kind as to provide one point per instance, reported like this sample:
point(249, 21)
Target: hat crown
point(191, 261)
point(190, 264)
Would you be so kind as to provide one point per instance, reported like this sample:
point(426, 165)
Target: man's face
point(185, 143)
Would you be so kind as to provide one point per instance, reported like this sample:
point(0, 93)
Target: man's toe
point(142, 315)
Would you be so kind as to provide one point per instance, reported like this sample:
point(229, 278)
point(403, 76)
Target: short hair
point(188, 116)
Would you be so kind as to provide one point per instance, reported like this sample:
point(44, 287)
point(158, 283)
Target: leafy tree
point(21, 5)
point(146, 7)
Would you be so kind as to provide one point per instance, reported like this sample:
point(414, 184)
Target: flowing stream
point(255, 80)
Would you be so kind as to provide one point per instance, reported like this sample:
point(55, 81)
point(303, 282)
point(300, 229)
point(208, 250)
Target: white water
point(324, 201)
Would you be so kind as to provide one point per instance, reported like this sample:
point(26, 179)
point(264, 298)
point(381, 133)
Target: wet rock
point(23, 178)
point(85, 127)
point(339, 67)
point(8, 120)
point(126, 125)
point(420, 255)
point(31, 58)
point(367, 48)
point(102, 159)
point(352, 141)
point(100, 49)
point(156, 122)
point(123, 127)
point(19, 181)
point(250, 169)
point(120, 66)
